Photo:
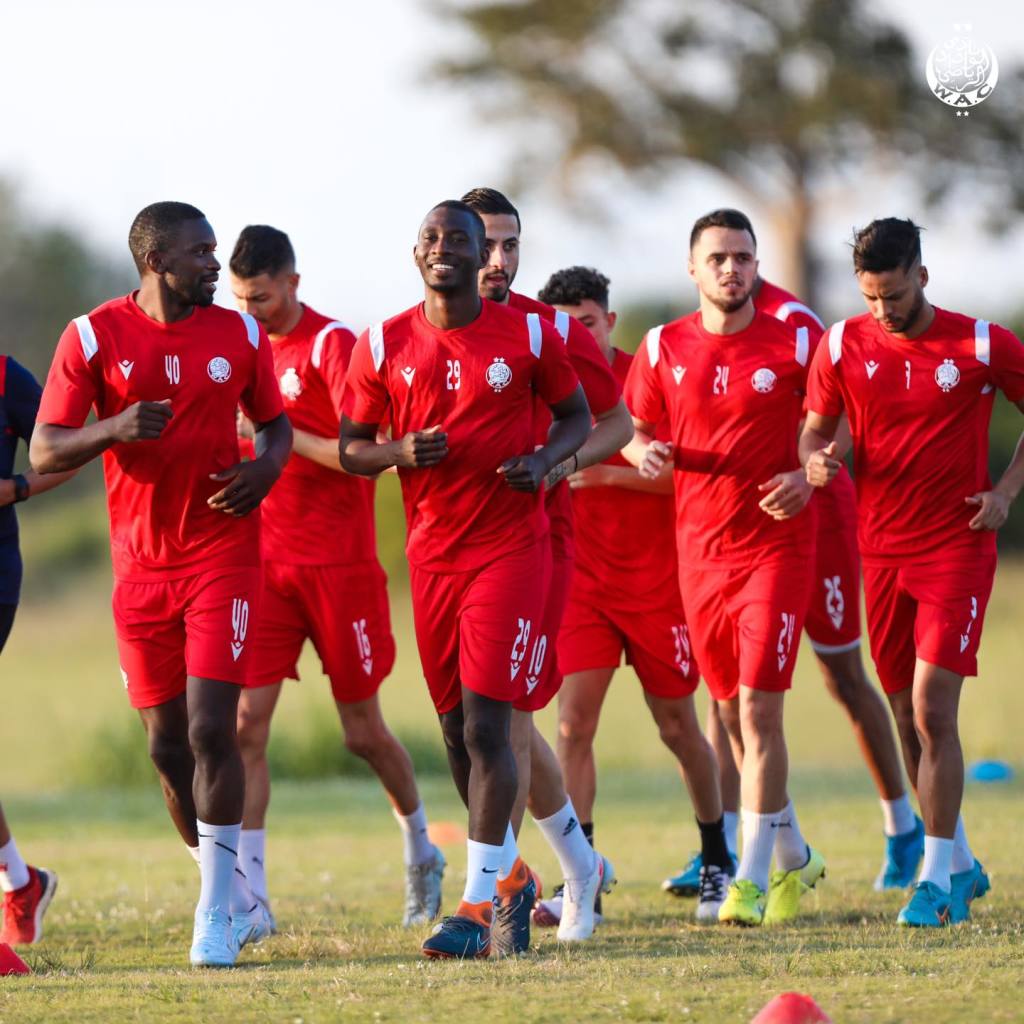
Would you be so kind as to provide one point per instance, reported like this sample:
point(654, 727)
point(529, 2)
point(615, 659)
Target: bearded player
point(917, 383)
point(165, 371)
point(624, 599)
point(540, 780)
point(731, 381)
point(458, 376)
point(321, 576)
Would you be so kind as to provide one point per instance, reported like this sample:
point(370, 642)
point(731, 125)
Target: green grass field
point(118, 932)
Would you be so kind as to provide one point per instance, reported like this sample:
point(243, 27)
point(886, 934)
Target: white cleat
point(423, 890)
point(213, 942)
point(577, 917)
point(714, 887)
point(252, 926)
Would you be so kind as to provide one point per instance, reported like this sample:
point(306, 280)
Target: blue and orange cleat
point(903, 854)
point(928, 908)
point(513, 905)
point(967, 886)
point(466, 935)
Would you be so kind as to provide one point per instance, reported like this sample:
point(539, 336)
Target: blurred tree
point(793, 100)
point(48, 274)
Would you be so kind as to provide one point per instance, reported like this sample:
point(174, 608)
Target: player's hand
point(656, 457)
point(598, 475)
point(420, 449)
point(248, 483)
point(143, 421)
point(788, 494)
point(993, 509)
point(822, 466)
point(525, 473)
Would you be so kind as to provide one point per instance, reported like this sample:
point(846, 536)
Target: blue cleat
point(512, 919)
point(687, 882)
point(903, 854)
point(213, 941)
point(928, 908)
point(967, 886)
point(458, 938)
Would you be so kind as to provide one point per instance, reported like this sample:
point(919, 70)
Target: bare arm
point(321, 450)
point(994, 505)
point(248, 483)
point(625, 477)
point(364, 451)
point(37, 484)
point(612, 429)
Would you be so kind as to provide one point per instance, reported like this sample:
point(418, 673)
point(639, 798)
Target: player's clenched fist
point(656, 457)
point(143, 421)
point(421, 448)
point(525, 473)
point(822, 465)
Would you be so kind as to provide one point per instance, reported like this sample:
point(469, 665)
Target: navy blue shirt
point(19, 401)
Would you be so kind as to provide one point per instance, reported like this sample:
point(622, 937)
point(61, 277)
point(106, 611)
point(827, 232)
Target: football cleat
point(24, 908)
point(787, 887)
point(744, 904)
point(512, 909)
point(578, 918)
point(213, 940)
point(714, 886)
point(903, 854)
point(966, 886)
point(423, 890)
point(687, 882)
point(252, 926)
point(928, 907)
point(458, 938)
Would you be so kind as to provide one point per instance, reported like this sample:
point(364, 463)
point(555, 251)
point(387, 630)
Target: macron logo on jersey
point(871, 366)
point(678, 372)
point(126, 366)
point(407, 375)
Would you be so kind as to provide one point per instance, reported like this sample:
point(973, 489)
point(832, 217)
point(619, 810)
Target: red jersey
point(919, 413)
point(600, 386)
point(785, 306)
point(734, 402)
point(479, 383)
point(623, 535)
point(314, 515)
point(207, 365)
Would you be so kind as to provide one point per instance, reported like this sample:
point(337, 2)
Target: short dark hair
point(574, 285)
point(490, 200)
point(458, 204)
point(723, 218)
point(886, 244)
point(261, 249)
point(155, 226)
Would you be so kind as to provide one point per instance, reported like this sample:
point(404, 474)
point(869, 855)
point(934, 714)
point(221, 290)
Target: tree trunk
point(791, 224)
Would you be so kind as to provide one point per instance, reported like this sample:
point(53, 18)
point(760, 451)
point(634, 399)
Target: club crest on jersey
point(947, 376)
point(291, 383)
point(219, 370)
point(499, 375)
point(763, 380)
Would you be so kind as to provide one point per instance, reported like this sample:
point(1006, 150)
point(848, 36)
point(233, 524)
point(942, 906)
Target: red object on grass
point(792, 1008)
point(11, 963)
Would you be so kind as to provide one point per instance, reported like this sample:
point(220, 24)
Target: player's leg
point(166, 728)
point(521, 737)
point(728, 774)
point(579, 711)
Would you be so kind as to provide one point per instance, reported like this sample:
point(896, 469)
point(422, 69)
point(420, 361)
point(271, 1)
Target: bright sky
point(319, 118)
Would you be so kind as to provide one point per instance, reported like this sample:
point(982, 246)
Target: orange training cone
point(10, 962)
point(792, 1008)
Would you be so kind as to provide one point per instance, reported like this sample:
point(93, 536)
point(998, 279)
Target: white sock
point(791, 849)
point(565, 836)
point(963, 856)
point(938, 858)
point(418, 847)
point(509, 854)
point(897, 815)
point(218, 856)
point(13, 870)
point(193, 852)
point(482, 863)
point(242, 899)
point(252, 856)
point(758, 843)
point(731, 823)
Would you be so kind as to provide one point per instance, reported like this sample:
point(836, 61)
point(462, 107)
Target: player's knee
point(253, 732)
point(210, 736)
point(577, 727)
point(844, 687)
point(761, 722)
point(484, 737)
point(935, 726)
point(170, 754)
point(365, 740)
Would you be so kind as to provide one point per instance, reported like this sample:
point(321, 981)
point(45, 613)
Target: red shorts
point(595, 633)
point(343, 609)
point(928, 610)
point(545, 679)
point(201, 625)
point(745, 623)
point(475, 629)
point(833, 615)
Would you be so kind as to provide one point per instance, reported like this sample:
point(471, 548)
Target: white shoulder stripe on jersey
point(654, 344)
point(536, 334)
point(803, 345)
point(982, 342)
point(787, 309)
point(318, 342)
point(835, 341)
point(377, 344)
point(562, 324)
point(252, 329)
point(87, 336)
